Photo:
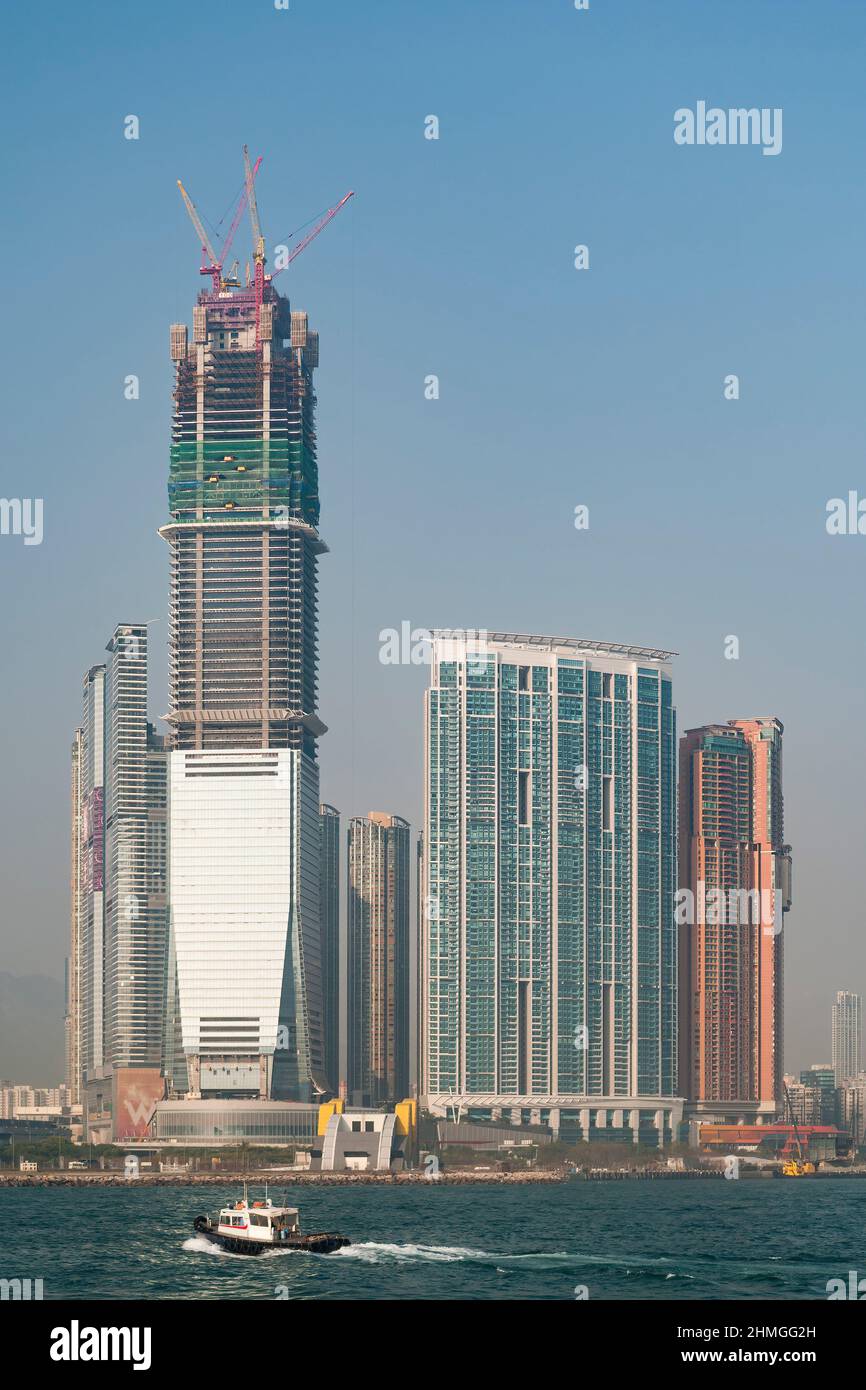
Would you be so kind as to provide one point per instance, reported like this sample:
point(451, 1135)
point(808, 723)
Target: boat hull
point(319, 1243)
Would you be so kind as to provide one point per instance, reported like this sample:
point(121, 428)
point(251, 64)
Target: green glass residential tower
point(549, 950)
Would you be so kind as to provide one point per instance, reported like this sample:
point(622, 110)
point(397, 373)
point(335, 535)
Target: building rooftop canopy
point(480, 637)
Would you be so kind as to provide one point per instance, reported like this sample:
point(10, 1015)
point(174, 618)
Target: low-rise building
point(216, 1123)
point(852, 1107)
point(376, 1141)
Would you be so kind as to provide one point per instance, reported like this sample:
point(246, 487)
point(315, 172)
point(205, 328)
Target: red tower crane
point(216, 263)
point(311, 235)
point(212, 264)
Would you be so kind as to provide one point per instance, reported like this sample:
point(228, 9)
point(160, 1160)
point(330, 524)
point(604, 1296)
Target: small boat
point(249, 1228)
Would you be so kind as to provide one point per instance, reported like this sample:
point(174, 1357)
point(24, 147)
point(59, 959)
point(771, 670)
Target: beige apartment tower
point(378, 969)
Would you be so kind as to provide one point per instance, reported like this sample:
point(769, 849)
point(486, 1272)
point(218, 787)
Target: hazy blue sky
point(558, 387)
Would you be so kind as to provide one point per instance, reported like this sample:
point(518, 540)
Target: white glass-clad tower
point(245, 970)
point(242, 881)
point(549, 950)
point(847, 1036)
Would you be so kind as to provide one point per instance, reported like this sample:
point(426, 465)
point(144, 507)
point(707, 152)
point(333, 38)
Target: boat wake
point(375, 1252)
point(198, 1245)
point(380, 1252)
point(538, 1261)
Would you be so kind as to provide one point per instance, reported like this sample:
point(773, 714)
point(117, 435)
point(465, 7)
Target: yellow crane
point(798, 1167)
point(249, 180)
point(214, 268)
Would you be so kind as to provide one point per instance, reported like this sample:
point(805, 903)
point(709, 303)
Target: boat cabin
point(259, 1221)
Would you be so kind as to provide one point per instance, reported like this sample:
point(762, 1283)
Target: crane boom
point(239, 212)
point(311, 235)
point(258, 239)
point(197, 223)
point(794, 1123)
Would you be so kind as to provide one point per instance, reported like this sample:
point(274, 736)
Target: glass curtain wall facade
point(549, 951)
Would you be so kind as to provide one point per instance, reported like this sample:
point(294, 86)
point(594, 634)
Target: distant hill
point(32, 1049)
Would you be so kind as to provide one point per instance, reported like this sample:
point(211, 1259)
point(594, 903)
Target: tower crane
point(212, 264)
point(239, 212)
point(206, 249)
point(311, 235)
point(258, 243)
point(214, 268)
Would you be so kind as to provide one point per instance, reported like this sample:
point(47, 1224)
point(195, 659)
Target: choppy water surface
point(624, 1240)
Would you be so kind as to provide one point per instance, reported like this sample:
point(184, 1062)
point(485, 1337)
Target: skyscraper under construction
point(245, 957)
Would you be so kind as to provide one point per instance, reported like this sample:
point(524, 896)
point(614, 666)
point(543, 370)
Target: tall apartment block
point(135, 859)
point(415, 1030)
point(119, 913)
point(378, 962)
point(329, 900)
point(847, 1036)
point(549, 951)
point(91, 812)
point(735, 870)
point(76, 904)
point(245, 945)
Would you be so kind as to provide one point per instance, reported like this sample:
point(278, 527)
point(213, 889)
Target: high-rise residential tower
point(415, 1030)
point(378, 961)
point(549, 952)
point(847, 1036)
point(135, 859)
point(735, 891)
point(116, 975)
point(245, 951)
point(92, 882)
point(329, 901)
point(76, 904)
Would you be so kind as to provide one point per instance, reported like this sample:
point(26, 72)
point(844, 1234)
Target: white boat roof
point(264, 1207)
